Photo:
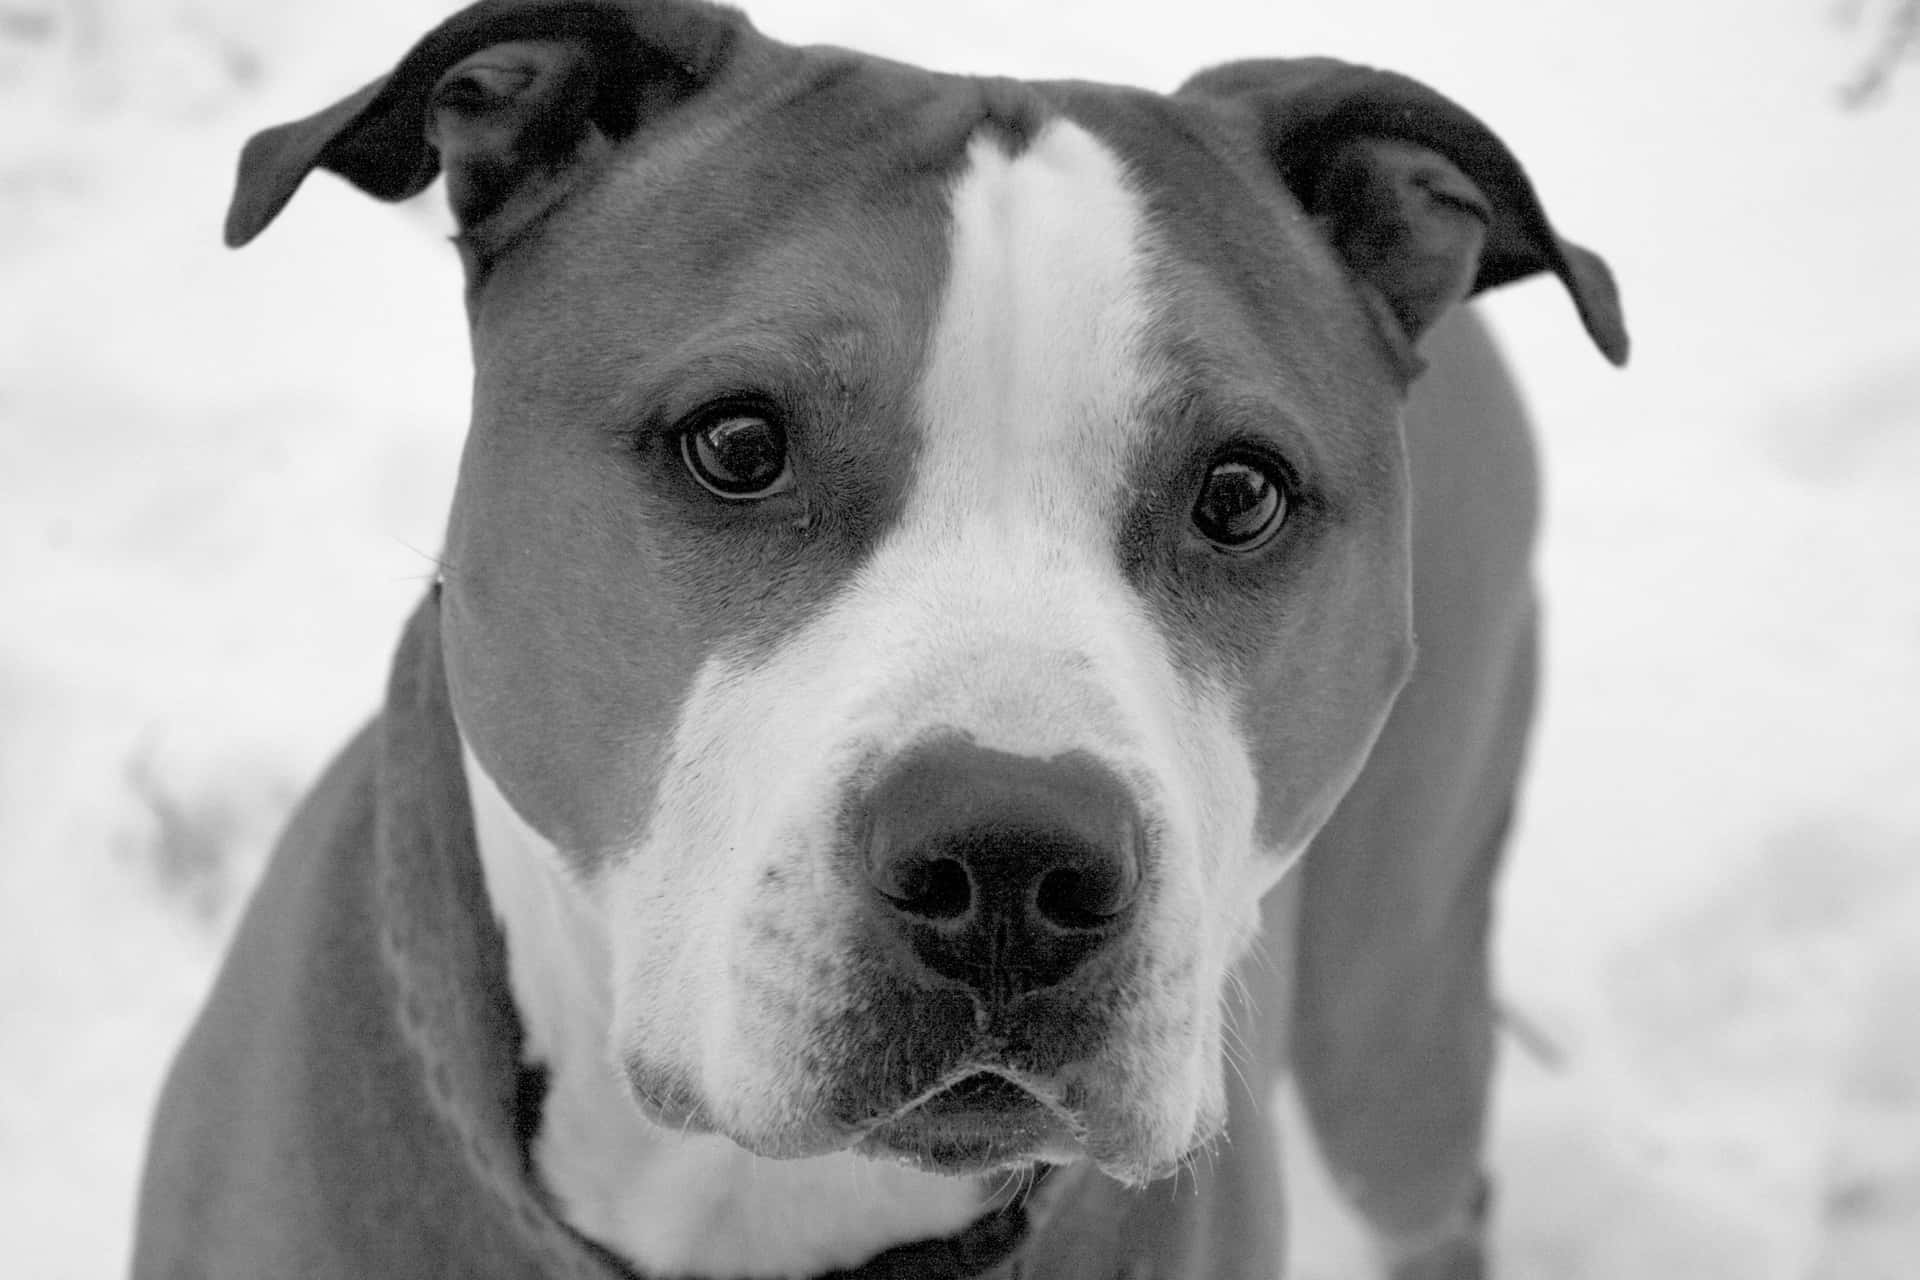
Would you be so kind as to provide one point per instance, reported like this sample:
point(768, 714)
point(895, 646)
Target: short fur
point(1008, 329)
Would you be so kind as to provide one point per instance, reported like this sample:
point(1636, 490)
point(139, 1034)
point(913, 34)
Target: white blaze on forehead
point(1031, 394)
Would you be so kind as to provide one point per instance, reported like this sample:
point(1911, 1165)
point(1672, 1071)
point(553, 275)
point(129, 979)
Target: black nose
point(1003, 872)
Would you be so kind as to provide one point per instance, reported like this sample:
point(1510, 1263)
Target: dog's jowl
point(921, 735)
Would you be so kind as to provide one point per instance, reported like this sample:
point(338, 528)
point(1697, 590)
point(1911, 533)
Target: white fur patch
point(673, 1204)
point(1035, 378)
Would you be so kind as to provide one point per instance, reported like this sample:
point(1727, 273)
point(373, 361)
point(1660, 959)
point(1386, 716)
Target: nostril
point(984, 864)
point(1073, 898)
point(932, 888)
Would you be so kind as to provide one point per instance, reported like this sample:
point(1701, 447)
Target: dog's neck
point(670, 1204)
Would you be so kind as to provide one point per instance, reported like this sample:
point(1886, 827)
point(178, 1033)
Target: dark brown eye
point(1242, 503)
point(739, 456)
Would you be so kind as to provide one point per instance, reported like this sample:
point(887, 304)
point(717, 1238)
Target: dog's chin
point(980, 1123)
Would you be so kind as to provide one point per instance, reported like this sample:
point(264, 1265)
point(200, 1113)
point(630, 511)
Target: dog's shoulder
point(230, 1135)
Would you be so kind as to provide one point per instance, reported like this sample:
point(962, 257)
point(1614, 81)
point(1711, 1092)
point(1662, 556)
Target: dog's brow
point(803, 359)
point(1201, 412)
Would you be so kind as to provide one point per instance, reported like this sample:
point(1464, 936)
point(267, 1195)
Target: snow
point(222, 477)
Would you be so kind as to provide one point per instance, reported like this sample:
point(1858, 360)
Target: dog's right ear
point(515, 99)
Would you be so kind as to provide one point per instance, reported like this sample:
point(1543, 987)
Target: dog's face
point(789, 481)
point(930, 552)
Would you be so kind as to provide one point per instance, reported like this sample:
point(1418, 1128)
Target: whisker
point(441, 566)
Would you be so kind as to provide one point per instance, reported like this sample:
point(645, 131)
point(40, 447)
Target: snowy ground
point(221, 477)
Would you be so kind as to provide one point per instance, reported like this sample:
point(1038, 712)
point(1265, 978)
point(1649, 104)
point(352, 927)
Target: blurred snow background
point(222, 477)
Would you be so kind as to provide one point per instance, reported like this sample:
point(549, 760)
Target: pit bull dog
point(920, 735)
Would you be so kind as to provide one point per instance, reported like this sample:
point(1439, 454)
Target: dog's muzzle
point(1003, 874)
point(1002, 900)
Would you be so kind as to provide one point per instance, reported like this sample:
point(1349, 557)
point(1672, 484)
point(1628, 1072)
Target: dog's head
point(930, 551)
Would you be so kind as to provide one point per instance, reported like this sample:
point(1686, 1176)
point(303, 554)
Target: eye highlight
point(738, 453)
point(1242, 503)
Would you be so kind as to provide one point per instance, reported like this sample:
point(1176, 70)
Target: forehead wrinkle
point(1033, 380)
point(808, 346)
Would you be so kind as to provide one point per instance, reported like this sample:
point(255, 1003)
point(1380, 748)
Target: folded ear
point(1425, 203)
point(515, 99)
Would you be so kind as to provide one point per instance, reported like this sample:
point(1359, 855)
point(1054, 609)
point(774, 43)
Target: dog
point(919, 738)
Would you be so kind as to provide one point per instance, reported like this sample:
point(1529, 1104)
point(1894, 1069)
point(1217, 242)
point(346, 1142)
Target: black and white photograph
point(890, 640)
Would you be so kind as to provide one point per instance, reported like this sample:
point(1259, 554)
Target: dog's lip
point(978, 1088)
point(974, 1121)
point(979, 1091)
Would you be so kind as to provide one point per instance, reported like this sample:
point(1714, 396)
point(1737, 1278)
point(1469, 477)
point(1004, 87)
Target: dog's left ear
point(1426, 205)
point(515, 100)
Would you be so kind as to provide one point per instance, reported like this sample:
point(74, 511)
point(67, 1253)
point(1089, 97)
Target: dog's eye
point(1242, 504)
point(738, 455)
